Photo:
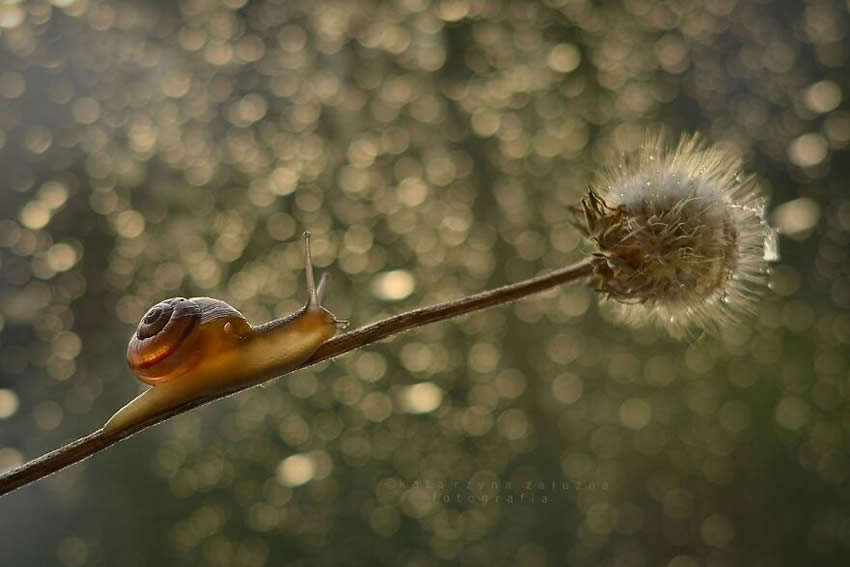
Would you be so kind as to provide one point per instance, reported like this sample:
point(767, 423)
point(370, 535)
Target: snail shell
point(167, 343)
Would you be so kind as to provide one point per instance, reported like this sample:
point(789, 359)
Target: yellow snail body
point(187, 349)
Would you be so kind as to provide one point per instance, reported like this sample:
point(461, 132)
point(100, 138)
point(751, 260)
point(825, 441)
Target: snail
point(188, 349)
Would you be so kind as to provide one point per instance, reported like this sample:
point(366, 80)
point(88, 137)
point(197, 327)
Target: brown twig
point(86, 446)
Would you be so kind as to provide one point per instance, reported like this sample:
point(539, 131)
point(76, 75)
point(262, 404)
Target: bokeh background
point(152, 149)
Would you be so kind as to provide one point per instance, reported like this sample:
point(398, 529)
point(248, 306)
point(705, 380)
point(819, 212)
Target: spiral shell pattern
point(161, 332)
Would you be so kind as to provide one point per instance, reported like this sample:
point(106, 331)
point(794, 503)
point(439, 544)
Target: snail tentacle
point(187, 349)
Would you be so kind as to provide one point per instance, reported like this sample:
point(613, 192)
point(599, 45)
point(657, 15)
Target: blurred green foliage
point(152, 149)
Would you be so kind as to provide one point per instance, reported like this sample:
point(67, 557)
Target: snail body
point(189, 349)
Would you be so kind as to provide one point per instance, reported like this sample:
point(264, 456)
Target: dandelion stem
point(84, 447)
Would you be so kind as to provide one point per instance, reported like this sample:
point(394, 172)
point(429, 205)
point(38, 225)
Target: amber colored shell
point(160, 334)
point(168, 341)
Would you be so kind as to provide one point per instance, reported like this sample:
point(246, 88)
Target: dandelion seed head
point(681, 237)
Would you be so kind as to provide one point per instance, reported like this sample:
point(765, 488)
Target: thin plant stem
point(84, 447)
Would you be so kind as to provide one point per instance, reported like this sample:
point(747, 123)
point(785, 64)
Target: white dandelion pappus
point(681, 236)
